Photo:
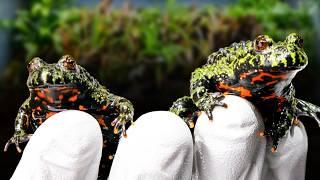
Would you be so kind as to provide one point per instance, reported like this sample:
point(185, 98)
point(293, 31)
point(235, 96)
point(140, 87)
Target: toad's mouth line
point(53, 86)
point(276, 70)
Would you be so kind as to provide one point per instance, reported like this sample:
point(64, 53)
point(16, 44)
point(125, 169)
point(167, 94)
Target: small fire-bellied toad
point(260, 71)
point(66, 85)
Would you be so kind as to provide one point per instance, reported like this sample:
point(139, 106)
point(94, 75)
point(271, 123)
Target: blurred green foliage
point(138, 50)
point(278, 18)
point(117, 38)
point(34, 25)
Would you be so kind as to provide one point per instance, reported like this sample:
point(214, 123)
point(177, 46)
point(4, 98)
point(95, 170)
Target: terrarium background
point(145, 50)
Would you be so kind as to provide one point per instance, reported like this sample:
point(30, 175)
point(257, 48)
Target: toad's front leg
point(204, 96)
point(22, 122)
point(126, 111)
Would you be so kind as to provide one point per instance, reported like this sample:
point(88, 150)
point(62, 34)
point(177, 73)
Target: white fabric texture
point(228, 147)
point(158, 147)
point(66, 146)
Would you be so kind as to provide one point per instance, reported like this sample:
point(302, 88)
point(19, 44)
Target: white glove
point(68, 146)
point(228, 148)
point(158, 147)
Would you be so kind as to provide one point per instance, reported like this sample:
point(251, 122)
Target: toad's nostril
point(300, 42)
point(294, 38)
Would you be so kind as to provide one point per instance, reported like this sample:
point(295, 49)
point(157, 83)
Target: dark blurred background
point(145, 50)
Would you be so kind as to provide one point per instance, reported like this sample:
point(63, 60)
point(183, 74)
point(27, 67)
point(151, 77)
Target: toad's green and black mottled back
point(260, 71)
point(66, 85)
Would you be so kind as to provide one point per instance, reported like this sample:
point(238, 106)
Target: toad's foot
point(191, 119)
point(308, 109)
point(186, 109)
point(17, 139)
point(210, 101)
point(125, 115)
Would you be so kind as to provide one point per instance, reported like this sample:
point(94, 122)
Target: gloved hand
point(229, 147)
point(68, 145)
point(159, 146)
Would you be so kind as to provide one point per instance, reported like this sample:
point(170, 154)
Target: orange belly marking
point(243, 91)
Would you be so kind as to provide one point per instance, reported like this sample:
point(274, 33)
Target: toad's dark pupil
point(261, 44)
point(69, 65)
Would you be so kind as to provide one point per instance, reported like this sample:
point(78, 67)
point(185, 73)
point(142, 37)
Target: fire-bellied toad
point(66, 85)
point(260, 71)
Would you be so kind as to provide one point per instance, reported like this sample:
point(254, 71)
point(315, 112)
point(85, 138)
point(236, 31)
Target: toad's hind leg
point(110, 144)
point(308, 109)
point(279, 126)
point(186, 109)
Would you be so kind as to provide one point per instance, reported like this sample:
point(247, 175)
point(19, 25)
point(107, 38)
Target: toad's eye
point(35, 63)
point(68, 62)
point(262, 42)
